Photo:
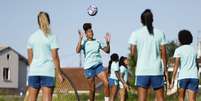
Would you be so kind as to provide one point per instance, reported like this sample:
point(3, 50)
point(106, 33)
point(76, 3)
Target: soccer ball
point(92, 10)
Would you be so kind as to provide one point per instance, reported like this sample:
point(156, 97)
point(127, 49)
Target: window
point(8, 56)
point(6, 74)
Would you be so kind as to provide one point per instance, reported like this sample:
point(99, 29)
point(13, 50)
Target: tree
point(170, 47)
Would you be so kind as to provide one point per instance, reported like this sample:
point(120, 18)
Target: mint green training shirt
point(188, 66)
point(92, 52)
point(148, 50)
point(42, 62)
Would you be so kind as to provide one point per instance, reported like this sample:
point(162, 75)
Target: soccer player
point(43, 58)
point(146, 43)
point(186, 58)
point(93, 66)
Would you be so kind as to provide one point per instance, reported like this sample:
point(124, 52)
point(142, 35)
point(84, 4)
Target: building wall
point(12, 63)
point(22, 75)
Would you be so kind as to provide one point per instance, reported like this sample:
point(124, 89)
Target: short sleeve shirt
point(42, 62)
point(92, 53)
point(188, 67)
point(148, 50)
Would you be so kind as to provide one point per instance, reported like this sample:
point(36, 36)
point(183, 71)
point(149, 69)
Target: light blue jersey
point(114, 68)
point(124, 71)
point(92, 53)
point(42, 62)
point(148, 51)
point(188, 67)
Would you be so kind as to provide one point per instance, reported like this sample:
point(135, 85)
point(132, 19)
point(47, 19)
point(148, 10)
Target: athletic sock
point(106, 98)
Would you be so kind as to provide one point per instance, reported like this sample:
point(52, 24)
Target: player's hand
point(127, 87)
point(168, 84)
point(107, 37)
point(60, 77)
point(172, 85)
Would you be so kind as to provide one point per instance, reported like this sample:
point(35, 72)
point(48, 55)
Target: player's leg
point(122, 94)
point(142, 83)
point(34, 87)
point(47, 93)
point(142, 93)
point(103, 77)
point(91, 82)
point(47, 84)
point(157, 83)
point(90, 75)
point(181, 93)
point(101, 74)
point(193, 89)
point(159, 94)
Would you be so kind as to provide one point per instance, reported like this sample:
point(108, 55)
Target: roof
point(4, 47)
point(76, 74)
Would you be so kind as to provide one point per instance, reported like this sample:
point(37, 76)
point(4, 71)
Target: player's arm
point(56, 60)
point(164, 59)
point(133, 50)
point(120, 77)
point(106, 49)
point(30, 55)
point(175, 69)
point(79, 44)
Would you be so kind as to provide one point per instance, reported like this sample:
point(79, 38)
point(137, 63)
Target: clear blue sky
point(18, 20)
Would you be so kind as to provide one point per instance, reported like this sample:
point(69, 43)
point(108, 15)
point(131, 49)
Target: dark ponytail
point(109, 67)
point(113, 58)
point(147, 20)
point(121, 61)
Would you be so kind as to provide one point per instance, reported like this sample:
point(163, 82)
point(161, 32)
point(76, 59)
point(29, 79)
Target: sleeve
point(176, 54)
point(163, 39)
point(122, 69)
point(133, 39)
point(53, 42)
point(29, 43)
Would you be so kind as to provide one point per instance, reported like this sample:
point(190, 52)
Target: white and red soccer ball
point(92, 10)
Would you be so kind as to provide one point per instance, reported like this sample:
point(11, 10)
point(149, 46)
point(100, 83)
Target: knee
point(106, 83)
point(92, 89)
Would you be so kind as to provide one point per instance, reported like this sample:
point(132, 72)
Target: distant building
point(13, 71)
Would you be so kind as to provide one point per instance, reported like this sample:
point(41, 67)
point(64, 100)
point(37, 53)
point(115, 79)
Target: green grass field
point(99, 97)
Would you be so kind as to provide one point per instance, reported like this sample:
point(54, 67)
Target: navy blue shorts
point(41, 81)
point(113, 82)
point(191, 84)
point(156, 82)
point(93, 71)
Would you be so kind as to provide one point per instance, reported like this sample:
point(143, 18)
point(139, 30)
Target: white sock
point(106, 98)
